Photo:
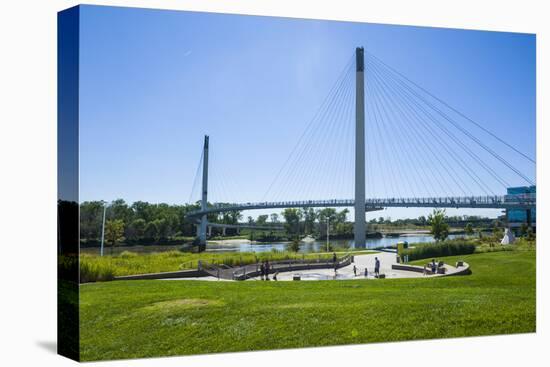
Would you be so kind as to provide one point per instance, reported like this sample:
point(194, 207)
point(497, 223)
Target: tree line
point(145, 223)
point(142, 221)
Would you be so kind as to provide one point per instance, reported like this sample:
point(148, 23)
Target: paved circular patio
point(361, 262)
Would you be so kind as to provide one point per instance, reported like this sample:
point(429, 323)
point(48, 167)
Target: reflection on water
point(246, 246)
point(321, 245)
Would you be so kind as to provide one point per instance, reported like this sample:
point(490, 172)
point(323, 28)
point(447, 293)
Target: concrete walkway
point(361, 262)
point(346, 273)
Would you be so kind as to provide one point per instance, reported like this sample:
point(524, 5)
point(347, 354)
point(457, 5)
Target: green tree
point(497, 232)
point(440, 228)
point(231, 217)
point(118, 209)
point(480, 233)
point(142, 210)
point(309, 215)
point(137, 229)
point(326, 215)
point(114, 232)
point(342, 216)
point(274, 218)
point(162, 228)
point(292, 221)
point(262, 219)
point(530, 234)
point(151, 231)
point(294, 245)
point(469, 229)
point(422, 220)
point(91, 217)
point(523, 229)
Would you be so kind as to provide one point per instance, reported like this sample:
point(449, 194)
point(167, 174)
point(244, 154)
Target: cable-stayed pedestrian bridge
point(383, 141)
point(473, 202)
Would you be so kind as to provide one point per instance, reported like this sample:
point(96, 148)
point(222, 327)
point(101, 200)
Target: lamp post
point(328, 231)
point(103, 227)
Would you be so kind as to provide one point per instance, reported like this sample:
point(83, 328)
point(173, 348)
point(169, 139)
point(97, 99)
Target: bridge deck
point(481, 202)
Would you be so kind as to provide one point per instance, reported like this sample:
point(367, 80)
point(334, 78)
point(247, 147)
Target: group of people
point(376, 269)
point(265, 267)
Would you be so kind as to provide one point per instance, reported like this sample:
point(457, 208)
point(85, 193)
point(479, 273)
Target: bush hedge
point(97, 272)
point(439, 250)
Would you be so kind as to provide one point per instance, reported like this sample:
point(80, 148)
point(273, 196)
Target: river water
point(246, 246)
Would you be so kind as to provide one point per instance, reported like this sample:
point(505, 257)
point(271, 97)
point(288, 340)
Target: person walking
point(376, 267)
point(262, 271)
point(354, 271)
point(266, 270)
point(334, 257)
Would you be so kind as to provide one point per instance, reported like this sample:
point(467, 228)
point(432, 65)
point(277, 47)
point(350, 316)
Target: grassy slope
point(156, 318)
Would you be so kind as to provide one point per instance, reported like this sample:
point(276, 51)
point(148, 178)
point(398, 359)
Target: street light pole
point(328, 231)
point(103, 227)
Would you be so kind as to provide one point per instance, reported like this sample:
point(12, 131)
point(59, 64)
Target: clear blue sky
point(152, 83)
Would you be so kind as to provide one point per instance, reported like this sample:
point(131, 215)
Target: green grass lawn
point(131, 319)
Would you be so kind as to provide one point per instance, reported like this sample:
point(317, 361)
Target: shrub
point(127, 254)
point(95, 272)
point(294, 246)
point(439, 250)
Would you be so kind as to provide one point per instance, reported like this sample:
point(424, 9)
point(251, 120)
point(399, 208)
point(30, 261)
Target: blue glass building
point(516, 217)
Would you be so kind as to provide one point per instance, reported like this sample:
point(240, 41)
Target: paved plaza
point(360, 262)
point(387, 259)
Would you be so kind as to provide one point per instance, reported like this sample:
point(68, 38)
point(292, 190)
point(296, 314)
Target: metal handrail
point(519, 200)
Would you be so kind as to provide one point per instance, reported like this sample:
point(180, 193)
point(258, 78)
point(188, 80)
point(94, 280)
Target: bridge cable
point(456, 157)
point(301, 168)
point(312, 183)
point(468, 134)
point(453, 109)
point(454, 138)
point(330, 169)
point(402, 141)
point(195, 179)
point(309, 125)
point(437, 138)
point(392, 179)
point(309, 169)
point(439, 158)
point(393, 147)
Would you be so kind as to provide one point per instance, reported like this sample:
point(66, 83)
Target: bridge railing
point(509, 200)
point(253, 270)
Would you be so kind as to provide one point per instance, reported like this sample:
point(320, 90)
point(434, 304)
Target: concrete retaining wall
point(171, 274)
point(295, 267)
point(415, 268)
point(463, 270)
